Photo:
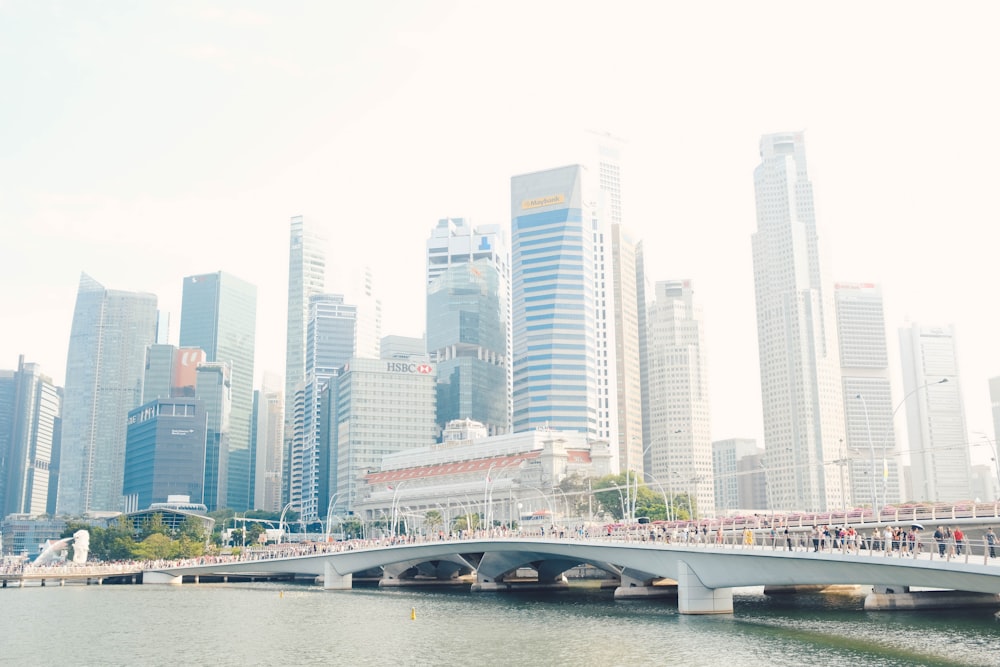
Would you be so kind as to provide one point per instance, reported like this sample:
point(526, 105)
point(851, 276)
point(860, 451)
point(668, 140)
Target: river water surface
point(295, 624)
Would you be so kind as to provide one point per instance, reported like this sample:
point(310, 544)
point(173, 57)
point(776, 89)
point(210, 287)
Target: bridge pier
point(693, 597)
point(334, 581)
point(632, 588)
point(890, 598)
point(161, 578)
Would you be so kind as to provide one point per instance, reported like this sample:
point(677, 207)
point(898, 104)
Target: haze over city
point(147, 142)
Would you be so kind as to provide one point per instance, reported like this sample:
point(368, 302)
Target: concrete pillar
point(333, 581)
point(693, 597)
point(632, 588)
point(161, 578)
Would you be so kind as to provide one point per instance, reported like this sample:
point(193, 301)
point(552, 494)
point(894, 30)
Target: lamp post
point(329, 510)
point(281, 522)
point(392, 506)
point(875, 507)
point(889, 429)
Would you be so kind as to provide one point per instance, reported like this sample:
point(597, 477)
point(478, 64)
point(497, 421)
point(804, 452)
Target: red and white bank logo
point(424, 368)
point(408, 367)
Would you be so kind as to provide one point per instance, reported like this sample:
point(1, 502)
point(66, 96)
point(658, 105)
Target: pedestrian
point(939, 538)
point(959, 538)
point(788, 538)
point(991, 540)
point(815, 538)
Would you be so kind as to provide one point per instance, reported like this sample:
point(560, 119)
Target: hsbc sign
point(408, 367)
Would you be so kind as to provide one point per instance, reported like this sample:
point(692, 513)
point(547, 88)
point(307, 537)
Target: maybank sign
point(538, 202)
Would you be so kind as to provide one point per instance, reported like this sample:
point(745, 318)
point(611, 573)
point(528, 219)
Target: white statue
point(81, 546)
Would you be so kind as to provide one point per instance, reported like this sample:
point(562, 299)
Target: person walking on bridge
point(959, 539)
point(939, 538)
point(991, 540)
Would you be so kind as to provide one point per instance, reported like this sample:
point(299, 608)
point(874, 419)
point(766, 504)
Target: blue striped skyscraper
point(104, 373)
point(219, 315)
point(559, 336)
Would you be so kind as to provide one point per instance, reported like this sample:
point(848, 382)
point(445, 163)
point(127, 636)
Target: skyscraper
point(165, 452)
point(214, 388)
point(306, 277)
point(30, 408)
point(626, 272)
point(219, 315)
point(680, 425)
point(796, 336)
point(377, 407)
point(563, 370)
point(104, 373)
point(935, 415)
point(330, 339)
point(468, 322)
point(864, 367)
point(269, 445)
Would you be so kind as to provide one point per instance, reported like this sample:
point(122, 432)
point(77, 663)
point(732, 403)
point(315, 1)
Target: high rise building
point(306, 277)
point(796, 336)
point(104, 373)
point(30, 408)
point(170, 372)
point(626, 271)
point(330, 339)
point(740, 475)
point(563, 345)
point(402, 347)
point(219, 315)
point(165, 452)
point(377, 407)
point(269, 443)
point(214, 388)
point(680, 424)
point(468, 322)
point(870, 446)
point(935, 415)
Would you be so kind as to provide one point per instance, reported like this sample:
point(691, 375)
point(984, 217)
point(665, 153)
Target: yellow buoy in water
point(281, 594)
point(413, 613)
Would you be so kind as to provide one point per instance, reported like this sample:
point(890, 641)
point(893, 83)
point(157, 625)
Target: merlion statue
point(81, 546)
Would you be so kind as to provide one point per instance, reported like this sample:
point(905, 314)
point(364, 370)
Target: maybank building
point(553, 293)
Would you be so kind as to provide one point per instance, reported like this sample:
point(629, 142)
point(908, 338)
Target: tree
point(467, 521)
point(434, 519)
point(156, 547)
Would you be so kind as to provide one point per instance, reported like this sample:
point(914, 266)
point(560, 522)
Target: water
point(291, 624)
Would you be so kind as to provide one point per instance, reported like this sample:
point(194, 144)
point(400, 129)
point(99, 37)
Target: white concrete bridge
point(705, 573)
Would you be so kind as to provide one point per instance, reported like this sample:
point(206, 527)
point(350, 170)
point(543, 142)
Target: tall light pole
point(875, 507)
point(281, 522)
point(889, 429)
point(329, 510)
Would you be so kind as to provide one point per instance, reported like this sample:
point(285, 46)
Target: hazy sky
point(145, 141)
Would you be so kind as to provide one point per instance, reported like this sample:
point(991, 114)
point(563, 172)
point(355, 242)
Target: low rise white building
point(500, 479)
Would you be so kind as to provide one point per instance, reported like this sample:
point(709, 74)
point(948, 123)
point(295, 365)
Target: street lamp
point(281, 522)
point(889, 429)
point(329, 510)
point(875, 507)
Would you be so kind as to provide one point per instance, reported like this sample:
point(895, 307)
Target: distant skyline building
point(468, 322)
point(306, 277)
point(165, 452)
point(377, 407)
point(739, 470)
point(870, 446)
point(796, 334)
point(269, 444)
point(627, 275)
point(403, 347)
point(935, 415)
point(219, 315)
point(104, 373)
point(170, 371)
point(680, 424)
point(30, 422)
point(330, 340)
point(214, 388)
point(563, 347)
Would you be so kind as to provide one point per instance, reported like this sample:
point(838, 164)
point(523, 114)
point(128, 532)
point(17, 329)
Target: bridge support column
point(161, 578)
point(632, 588)
point(333, 581)
point(889, 598)
point(693, 597)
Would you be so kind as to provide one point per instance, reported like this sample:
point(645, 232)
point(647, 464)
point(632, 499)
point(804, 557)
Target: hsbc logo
point(408, 367)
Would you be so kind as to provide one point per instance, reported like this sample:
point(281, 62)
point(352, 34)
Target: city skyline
point(896, 131)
